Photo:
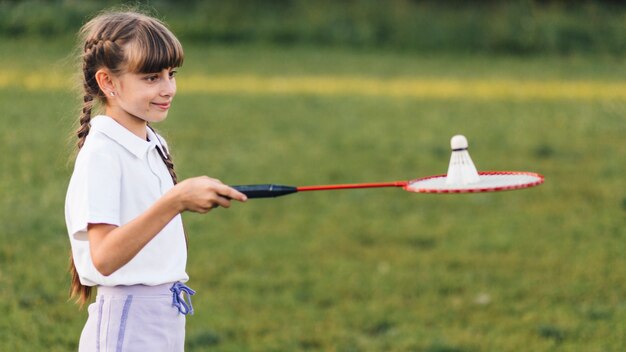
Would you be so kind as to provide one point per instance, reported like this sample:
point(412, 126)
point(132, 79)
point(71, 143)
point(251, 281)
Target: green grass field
point(368, 270)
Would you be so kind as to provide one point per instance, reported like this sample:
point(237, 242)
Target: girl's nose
point(168, 87)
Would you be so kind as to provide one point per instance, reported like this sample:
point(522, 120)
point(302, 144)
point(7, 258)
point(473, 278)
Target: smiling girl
point(123, 202)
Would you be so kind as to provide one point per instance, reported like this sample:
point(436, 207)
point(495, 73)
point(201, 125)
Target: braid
point(84, 120)
point(77, 289)
point(92, 50)
point(165, 156)
point(167, 159)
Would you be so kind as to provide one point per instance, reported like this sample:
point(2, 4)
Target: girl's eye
point(152, 78)
point(172, 74)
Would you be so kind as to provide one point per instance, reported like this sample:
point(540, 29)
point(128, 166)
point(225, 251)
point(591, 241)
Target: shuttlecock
point(461, 170)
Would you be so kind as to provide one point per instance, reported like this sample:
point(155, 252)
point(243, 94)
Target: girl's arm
point(112, 246)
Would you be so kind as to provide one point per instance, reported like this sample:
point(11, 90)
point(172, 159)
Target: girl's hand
point(201, 194)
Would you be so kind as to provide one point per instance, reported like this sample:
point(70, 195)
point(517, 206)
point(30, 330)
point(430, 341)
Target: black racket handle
point(265, 191)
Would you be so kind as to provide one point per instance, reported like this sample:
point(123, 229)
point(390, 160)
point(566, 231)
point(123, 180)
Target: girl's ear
point(105, 82)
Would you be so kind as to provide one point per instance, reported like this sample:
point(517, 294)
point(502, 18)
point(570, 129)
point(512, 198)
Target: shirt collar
point(112, 129)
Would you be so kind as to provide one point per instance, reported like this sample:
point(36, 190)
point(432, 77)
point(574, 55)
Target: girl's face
point(142, 96)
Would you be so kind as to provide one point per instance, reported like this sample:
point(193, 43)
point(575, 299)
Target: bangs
point(153, 49)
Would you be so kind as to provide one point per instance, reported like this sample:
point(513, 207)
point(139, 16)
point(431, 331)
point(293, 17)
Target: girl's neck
point(134, 124)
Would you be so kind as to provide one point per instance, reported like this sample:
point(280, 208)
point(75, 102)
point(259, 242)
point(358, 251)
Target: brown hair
point(124, 41)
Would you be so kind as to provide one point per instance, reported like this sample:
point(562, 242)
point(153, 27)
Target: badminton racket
point(490, 181)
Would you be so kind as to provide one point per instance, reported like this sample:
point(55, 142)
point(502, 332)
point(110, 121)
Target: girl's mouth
point(163, 106)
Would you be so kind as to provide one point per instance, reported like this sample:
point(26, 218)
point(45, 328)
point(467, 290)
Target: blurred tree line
point(510, 27)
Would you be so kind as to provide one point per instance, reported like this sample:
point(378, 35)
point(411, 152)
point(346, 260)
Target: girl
point(123, 204)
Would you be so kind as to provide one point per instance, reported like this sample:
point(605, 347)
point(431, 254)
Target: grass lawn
point(365, 270)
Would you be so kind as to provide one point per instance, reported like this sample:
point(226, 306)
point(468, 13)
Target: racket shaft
point(353, 186)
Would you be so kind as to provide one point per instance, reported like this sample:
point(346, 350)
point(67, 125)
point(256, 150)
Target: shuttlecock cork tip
point(458, 142)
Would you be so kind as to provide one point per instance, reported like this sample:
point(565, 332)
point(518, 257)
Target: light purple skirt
point(135, 318)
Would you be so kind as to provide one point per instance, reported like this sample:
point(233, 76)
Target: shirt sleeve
point(94, 193)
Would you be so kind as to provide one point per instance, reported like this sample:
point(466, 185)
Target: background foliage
point(515, 27)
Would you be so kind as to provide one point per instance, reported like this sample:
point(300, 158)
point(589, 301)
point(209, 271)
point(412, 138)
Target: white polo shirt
point(118, 176)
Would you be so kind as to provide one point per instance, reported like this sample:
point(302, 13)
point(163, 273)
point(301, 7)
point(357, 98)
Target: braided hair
point(165, 156)
point(120, 42)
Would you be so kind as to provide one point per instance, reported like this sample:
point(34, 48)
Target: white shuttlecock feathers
point(461, 170)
